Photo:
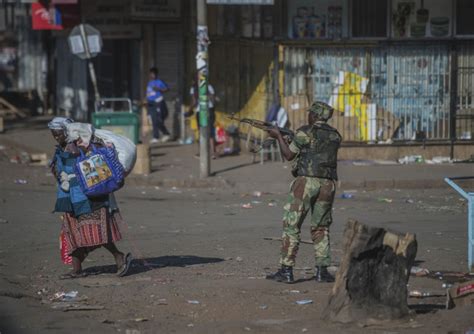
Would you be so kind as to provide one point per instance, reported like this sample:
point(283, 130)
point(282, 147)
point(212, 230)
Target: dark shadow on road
point(137, 198)
point(156, 155)
point(228, 169)
point(418, 262)
point(160, 167)
point(5, 325)
point(143, 265)
point(299, 280)
point(158, 146)
point(302, 280)
point(426, 308)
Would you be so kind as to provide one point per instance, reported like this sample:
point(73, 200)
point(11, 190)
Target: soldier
point(314, 150)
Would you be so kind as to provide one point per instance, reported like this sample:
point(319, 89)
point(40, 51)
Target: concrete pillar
point(143, 164)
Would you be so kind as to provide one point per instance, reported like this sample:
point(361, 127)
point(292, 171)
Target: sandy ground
point(201, 245)
point(201, 257)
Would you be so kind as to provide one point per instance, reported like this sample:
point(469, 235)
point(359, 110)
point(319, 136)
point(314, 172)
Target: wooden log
point(371, 283)
point(11, 109)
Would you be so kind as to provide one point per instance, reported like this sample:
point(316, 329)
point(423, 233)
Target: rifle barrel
point(262, 125)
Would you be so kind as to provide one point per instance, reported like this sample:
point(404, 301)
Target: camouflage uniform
point(313, 189)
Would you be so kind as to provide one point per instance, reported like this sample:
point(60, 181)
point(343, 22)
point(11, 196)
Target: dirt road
point(203, 259)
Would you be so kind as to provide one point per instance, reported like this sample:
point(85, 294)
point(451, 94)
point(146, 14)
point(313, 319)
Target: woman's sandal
point(123, 270)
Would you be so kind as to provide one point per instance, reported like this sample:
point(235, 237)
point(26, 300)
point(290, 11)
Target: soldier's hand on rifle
point(274, 132)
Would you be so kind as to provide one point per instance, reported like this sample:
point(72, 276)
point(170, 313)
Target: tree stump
point(371, 283)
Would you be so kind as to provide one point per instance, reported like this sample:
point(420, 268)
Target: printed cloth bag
point(99, 173)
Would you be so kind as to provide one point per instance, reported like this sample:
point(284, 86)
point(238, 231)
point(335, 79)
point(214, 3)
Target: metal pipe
point(90, 64)
point(469, 196)
point(202, 70)
point(453, 99)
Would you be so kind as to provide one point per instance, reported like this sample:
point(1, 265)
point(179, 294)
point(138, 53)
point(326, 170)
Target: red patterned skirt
point(91, 230)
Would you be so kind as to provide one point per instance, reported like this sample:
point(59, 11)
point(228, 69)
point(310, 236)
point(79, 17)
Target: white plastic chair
point(273, 150)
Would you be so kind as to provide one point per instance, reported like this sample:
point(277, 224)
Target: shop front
point(136, 35)
point(395, 71)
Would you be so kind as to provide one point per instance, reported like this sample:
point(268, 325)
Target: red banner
point(465, 290)
point(63, 2)
point(45, 18)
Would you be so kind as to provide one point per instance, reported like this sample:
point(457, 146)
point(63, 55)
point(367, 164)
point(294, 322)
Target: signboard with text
point(82, 34)
point(240, 2)
point(155, 9)
point(64, 2)
point(111, 18)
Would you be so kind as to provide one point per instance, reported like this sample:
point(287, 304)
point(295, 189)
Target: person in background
point(156, 105)
point(88, 223)
point(211, 98)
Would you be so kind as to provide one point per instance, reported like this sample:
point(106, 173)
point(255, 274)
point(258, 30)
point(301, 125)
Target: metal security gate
point(399, 92)
point(465, 91)
point(414, 84)
point(167, 57)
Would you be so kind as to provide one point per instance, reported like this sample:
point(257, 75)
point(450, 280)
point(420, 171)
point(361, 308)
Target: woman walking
point(88, 223)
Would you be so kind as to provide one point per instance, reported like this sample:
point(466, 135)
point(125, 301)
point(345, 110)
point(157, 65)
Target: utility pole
point(89, 62)
point(202, 72)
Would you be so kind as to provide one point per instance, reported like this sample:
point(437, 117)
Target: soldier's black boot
point(285, 275)
point(321, 274)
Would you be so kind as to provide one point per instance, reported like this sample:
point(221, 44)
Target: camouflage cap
point(322, 110)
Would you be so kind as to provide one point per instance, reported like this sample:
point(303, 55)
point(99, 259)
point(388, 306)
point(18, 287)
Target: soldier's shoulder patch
point(299, 141)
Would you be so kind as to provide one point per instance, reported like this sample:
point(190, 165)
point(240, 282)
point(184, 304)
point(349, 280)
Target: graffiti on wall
point(408, 85)
point(202, 68)
point(348, 98)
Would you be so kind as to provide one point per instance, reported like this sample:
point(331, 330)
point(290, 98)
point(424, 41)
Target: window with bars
point(248, 21)
point(369, 18)
point(464, 15)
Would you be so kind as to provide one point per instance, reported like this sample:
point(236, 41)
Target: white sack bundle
point(126, 149)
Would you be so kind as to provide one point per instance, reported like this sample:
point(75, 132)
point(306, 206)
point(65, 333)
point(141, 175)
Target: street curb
point(219, 182)
point(396, 184)
point(222, 183)
point(212, 182)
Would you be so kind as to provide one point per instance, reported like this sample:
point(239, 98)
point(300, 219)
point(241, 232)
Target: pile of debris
point(16, 156)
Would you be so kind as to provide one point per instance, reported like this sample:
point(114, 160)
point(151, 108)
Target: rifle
point(264, 126)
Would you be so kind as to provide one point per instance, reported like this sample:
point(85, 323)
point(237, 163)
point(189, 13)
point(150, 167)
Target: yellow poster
point(347, 98)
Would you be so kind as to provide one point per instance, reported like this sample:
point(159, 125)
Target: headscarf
point(84, 131)
point(59, 123)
